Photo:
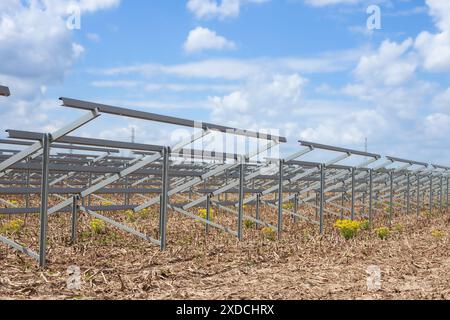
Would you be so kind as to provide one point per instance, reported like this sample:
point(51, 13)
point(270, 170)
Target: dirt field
point(414, 261)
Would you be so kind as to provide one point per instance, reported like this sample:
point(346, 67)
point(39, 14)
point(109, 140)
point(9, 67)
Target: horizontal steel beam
point(35, 166)
point(20, 191)
point(306, 164)
point(394, 159)
point(337, 149)
point(112, 208)
point(18, 211)
point(199, 154)
point(85, 105)
point(59, 146)
point(16, 134)
point(436, 166)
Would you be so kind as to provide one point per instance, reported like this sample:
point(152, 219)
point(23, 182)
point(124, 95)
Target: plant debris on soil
point(414, 261)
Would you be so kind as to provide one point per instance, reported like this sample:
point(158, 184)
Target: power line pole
point(366, 145)
point(133, 135)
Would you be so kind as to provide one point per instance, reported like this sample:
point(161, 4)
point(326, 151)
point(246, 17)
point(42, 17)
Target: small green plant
point(13, 226)
point(97, 226)
point(131, 216)
point(437, 233)
point(202, 213)
point(249, 224)
point(399, 228)
point(306, 234)
point(348, 228)
point(144, 213)
point(288, 206)
point(364, 225)
point(382, 233)
point(269, 233)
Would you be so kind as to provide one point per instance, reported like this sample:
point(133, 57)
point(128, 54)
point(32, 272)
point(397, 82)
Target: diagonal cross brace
point(54, 137)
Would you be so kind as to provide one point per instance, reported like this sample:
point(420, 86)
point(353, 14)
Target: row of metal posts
point(321, 196)
point(46, 141)
point(165, 188)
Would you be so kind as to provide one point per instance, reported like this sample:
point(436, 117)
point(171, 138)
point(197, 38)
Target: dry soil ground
point(414, 262)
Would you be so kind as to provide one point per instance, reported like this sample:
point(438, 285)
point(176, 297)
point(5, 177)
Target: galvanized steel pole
point(74, 219)
point(241, 198)
point(370, 197)
point(353, 194)
point(44, 200)
point(322, 197)
point(164, 198)
point(391, 196)
point(280, 198)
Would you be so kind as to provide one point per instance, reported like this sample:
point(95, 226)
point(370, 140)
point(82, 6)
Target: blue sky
point(310, 68)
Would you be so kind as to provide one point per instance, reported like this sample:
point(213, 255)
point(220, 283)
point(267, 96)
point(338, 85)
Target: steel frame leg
point(241, 199)
point(353, 195)
point(280, 199)
point(391, 197)
point(44, 201)
point(322, 197)
point(74, 219)
point(164, 198)
point(370, 197)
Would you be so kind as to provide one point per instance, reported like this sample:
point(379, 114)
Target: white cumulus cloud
point(388, 66)
point(260, 102)
point(201, 39)
point(206, 9)
point(323, 3)
point(437, 125)
point(37, 50)
point(435, 48)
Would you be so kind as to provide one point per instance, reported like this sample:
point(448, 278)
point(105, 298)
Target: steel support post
point(431, 194)
point(353, 195)
point(446, 194)
point(418, 196)
point(441, 191)
point(127, 186)
point(322, 197)
point(241, 198)
point(296, 207)
point(258, 204)
point(74, 219)
point(27, 196)
point(280, 198)
point(89, 199)
point(208, 212)
point(391, 196)
point(370, 197)
point(164, 198)
point(226, 183)
point(44, 200)
point(408, 195)
point(316, 202)
point(363, 211)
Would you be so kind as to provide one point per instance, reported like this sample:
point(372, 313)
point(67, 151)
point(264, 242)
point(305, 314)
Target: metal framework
point(345, 184)
point(4, 91)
